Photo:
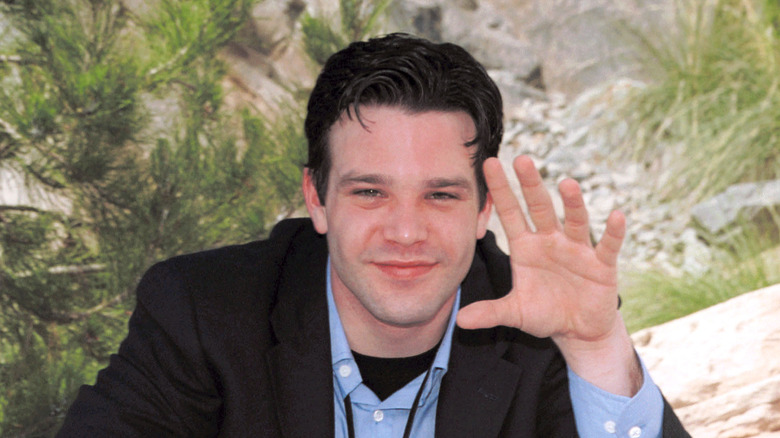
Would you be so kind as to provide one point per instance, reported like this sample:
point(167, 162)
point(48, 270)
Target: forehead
point(395, 139)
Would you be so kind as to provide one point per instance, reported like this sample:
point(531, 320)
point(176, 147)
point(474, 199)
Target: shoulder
point(235, 262)
point(225, 260)
point(235, 273)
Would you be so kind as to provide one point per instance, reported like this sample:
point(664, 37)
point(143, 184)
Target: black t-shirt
point(385, 376)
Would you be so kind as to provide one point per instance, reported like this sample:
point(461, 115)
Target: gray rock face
point(585, 43)
point(741, 202)
point(476, 25)
point(561, 136)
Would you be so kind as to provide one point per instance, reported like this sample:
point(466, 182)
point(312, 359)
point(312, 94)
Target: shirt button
point(345, 370)
point(378, 415)
point(609, 426)
point(635, 432)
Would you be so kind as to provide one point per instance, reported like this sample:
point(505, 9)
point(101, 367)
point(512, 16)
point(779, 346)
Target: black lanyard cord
point(409, 421)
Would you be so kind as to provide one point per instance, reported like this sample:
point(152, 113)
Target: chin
point(412, 315)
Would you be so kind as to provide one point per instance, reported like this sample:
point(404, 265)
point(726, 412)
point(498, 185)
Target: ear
point(313, 205)
point(484, 216)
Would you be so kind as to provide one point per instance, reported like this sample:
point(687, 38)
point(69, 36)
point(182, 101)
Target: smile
point(405, 270)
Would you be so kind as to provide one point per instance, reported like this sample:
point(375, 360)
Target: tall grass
point(654, 297)
point(715, 114)
point(712, 120)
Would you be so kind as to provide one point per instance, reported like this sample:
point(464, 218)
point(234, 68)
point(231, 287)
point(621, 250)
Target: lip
point(405, 270)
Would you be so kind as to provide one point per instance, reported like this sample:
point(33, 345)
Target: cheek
point(352, 229)
point(457, 236)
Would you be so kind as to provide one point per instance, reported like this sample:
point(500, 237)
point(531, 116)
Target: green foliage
point(745, 262)
point(717, 109)
point(286, 133)
point(358, 19)
point(115, 122)
point(320, 39)
point(772, 14)
point(182, 31)
point(32, 406)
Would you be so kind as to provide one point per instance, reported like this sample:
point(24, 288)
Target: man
point(345, 324)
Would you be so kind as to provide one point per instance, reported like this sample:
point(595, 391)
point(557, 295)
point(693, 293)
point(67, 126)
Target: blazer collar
point(479, 387)
point(299, 364)
point(475, 394)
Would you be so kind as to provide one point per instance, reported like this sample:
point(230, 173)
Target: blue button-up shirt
point(386, 418)
point(597, 413)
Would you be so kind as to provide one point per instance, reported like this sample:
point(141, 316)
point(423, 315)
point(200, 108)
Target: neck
point(370, 336)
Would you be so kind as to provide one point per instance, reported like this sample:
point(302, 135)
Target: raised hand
point(563, 286)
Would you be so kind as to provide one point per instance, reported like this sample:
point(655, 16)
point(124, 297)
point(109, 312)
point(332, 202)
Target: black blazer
point(234, 342)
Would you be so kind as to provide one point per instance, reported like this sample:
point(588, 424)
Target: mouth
point(405, 270)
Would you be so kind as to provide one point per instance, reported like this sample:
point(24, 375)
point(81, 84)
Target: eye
point(442, 196)
point(368, 193)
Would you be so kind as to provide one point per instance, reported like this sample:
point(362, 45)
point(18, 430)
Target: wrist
point(610, 363)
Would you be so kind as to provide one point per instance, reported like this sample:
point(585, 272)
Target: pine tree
point(114, 123)
point(358, 19)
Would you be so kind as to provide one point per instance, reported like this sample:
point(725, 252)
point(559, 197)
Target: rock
point(18, 191)
point(584, 43)
point(476, 25)
point(719, 367)
point(514, 88)
point(740, 202)
point(418, 17)
point(271, 25)
point(267, 57)
point(566, 140)
point(696, 254)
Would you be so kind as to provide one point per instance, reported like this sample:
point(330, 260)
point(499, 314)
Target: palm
point(562, 286)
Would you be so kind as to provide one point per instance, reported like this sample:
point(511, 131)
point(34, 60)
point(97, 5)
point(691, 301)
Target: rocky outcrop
point(267, 58)
point(720, 367)
point(586, 43)
point(567, 46)
point(740, 204)
point(561, 135)
point(479, 26)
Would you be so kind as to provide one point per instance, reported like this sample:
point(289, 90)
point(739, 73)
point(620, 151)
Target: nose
point(405, 224)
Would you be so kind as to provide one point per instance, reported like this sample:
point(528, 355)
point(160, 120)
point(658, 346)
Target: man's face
point(401, 213)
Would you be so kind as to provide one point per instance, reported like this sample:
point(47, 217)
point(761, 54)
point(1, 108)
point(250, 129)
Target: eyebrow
point(443, 183)
point(352, 178)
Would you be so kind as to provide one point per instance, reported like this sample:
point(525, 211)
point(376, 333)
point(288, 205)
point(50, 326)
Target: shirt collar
point(341, 354)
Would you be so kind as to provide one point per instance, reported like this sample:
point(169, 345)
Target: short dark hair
point(409, 72)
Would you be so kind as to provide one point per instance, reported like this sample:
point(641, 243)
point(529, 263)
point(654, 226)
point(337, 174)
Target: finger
point(504, 200)
point(537, 198)
point(575, 223)
point(487, 314)
point(608, 248)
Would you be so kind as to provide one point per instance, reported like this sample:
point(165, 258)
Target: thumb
point(485, 314)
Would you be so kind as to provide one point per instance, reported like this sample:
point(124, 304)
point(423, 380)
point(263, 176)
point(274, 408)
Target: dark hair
point(412, 73)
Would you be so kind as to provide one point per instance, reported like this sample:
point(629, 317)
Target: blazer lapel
point(300, 365)
point(479, 386)
point(302, 383)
